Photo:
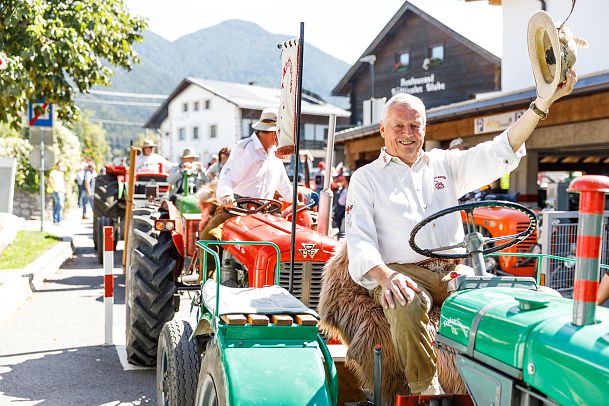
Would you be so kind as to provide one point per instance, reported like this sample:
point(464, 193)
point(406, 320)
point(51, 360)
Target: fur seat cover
point(349, 313)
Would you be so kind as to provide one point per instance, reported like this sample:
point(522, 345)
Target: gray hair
point(405, 99)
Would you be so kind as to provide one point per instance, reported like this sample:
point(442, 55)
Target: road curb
point(16, 284)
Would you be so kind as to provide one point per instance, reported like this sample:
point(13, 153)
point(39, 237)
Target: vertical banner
point(290, 53)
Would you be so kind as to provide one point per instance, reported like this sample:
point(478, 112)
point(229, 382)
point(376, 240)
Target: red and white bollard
point(592, 189)
point(108, 281)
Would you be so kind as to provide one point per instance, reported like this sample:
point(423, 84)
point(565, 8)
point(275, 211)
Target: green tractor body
point(511, 336)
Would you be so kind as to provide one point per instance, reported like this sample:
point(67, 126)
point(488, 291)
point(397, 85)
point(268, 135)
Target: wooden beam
point(257, 320)
point(282, 320)
point(234, 319)
point(306, 320)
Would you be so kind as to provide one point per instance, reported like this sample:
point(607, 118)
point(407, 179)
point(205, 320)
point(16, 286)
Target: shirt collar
point(257, 144)
point(385, 158)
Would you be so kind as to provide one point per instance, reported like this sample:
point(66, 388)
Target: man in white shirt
point(149, 161)
point(252, 170)
point(389, 196)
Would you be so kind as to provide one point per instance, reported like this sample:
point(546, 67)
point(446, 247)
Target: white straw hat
point(268, 120)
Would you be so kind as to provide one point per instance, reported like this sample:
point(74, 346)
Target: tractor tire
point(105, 200)
point(211, 388)
point(177, 365)
point(150, 290)
point(98, 228)
point(95, 237)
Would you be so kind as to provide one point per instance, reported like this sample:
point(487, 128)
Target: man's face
point(268, 138)
point(404, 132)
point(188, 160)
point(147, 151)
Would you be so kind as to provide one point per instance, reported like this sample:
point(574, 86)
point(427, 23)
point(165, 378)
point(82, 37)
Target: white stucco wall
point(223, 114)
point(589, 21)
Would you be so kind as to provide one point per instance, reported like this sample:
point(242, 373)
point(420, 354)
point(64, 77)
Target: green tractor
point(514, 345)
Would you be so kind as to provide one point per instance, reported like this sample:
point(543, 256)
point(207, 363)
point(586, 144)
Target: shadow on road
point(74, 376)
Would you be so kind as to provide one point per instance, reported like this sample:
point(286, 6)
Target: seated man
point(192, 166)
point(252, 170)
point(389, 196)
point(149, 161)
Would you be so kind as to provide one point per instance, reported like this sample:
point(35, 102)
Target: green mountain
point(233, 51)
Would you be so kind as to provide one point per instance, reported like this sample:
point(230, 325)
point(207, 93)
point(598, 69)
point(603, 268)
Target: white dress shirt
point(251, 171)
point(151, 163)
point(387, 198)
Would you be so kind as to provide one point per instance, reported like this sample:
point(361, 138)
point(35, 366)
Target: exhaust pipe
point(591, 189)
point(327, 196)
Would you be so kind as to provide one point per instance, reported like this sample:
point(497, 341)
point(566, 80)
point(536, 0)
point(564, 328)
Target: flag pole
point(296, 157)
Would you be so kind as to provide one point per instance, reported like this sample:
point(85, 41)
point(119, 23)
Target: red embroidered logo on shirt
point(437, 180)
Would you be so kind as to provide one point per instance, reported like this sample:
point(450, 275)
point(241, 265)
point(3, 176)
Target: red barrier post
point(591, 189)
point(108, 281)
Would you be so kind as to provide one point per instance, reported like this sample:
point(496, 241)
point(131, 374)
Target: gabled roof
point(340, 88)
point(245, 97)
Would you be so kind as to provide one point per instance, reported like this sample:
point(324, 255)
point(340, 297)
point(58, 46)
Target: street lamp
point(370, 59)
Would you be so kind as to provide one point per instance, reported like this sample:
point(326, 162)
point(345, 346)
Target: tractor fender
point(177, 234)
point(292, 375)
point(264, 270)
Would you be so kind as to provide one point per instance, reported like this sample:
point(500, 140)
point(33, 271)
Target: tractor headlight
point(159, 225)
point(164, 225)
point(170, 225)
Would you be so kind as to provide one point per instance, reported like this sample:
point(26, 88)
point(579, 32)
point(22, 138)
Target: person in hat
point(252, 170)
point(190, 164)
point(149, 161)
point(388, 197)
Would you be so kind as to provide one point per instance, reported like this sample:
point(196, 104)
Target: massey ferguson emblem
point(308, 250)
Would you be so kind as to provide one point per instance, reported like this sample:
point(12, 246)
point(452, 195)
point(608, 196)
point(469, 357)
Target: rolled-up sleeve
point(362, 239)
point(483, 164)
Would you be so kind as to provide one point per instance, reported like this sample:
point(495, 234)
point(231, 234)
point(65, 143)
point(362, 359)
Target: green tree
point(55, 47)
point(93, 140)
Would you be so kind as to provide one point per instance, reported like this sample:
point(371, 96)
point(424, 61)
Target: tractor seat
point(268, 300)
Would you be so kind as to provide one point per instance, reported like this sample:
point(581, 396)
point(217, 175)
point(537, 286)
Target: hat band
point(266, 121)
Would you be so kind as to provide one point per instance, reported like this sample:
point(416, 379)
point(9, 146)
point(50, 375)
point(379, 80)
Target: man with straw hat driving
point(150, 161)
point(190, 164)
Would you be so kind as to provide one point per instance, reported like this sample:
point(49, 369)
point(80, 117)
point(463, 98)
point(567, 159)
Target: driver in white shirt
point(405, 184)
point(252, 171)
point(149, 161)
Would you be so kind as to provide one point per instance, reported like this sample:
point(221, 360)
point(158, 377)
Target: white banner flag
point(289, 93)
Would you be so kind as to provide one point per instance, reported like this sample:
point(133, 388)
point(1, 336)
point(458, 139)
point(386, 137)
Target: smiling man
point(405, 184)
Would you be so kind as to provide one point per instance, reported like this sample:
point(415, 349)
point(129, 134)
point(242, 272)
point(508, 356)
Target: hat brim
point(189, 156)
point(541, 35)
point(260, 126)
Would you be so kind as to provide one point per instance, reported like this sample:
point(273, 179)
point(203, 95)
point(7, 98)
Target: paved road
point(51, 347)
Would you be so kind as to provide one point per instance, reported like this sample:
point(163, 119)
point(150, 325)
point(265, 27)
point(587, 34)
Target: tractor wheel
point(101, 223)
point(151, 287)
point(177, 365)
point(105, 200)
point(211, 388)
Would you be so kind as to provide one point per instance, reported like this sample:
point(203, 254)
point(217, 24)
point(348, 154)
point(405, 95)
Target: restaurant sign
point(424, 84)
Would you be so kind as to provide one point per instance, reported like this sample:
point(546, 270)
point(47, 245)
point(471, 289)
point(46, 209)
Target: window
point(402, 60)
point(246, 127)
point(309, 132)
point(207, 104)
point(195, 133)
point(185, 107)
point(213, 131)
point(436, 53)
point(182, 134)
point(195, 106)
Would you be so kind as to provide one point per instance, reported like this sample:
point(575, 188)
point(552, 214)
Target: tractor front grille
point(306, 285)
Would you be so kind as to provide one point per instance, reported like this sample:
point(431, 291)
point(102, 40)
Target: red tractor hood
point(310, 245)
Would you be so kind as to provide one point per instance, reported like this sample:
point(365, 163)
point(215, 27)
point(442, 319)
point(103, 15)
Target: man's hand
point(563, 89)
point(394, 285)
point(228, 201)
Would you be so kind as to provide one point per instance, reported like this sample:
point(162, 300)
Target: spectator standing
point(341, 202)
point(87, 190)
point(57, 184)
point(214, 170)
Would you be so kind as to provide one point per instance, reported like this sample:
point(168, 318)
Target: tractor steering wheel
point(252, 205)
point(468, 208)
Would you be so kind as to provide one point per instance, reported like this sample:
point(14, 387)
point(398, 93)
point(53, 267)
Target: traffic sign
point(49, 158)
point(43, 118)
point(36, 135)
point(3, 61)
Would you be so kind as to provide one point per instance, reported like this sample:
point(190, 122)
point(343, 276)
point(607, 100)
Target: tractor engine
point(254, 266)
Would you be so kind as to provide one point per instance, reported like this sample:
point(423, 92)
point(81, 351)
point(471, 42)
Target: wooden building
point(417, 54)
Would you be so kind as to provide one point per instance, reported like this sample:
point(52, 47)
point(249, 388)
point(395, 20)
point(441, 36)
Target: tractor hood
point(310, 245)
point(529, 336)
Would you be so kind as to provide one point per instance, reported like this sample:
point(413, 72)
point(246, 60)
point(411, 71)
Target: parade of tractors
point(274, 317)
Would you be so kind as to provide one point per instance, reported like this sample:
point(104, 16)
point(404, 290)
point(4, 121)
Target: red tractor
point(110, 196)
point(162, 260)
